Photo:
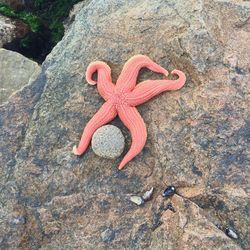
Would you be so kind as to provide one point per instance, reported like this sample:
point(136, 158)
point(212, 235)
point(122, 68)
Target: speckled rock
point(73, 12)
point(108, 235)
point(11, 29)
point(108, 142)
point(16, 71)
point(198, 137)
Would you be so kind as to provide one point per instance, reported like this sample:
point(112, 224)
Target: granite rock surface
point(198, 137)
point(73, 12)
point(16, 71)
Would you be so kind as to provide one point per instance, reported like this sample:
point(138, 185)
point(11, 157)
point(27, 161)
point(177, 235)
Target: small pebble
point(147, 195)
point(137, 200)
point(108, 142)
point(169, 191)
point(231, 233)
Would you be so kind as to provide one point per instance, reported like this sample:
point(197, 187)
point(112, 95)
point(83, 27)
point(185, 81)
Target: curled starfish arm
point(146, 90)
point(134, 122)
point(105, 114)
point(127, 79)
point(104, 82)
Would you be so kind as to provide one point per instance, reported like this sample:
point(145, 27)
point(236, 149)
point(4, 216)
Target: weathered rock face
point(198, 137)
point(16, 71)
point(74, 11)
point(11, 29)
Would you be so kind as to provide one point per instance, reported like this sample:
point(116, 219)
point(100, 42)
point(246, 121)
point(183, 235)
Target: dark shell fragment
point(169, 191)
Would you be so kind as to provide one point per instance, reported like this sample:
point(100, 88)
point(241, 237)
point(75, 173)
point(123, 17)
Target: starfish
point(122, 99)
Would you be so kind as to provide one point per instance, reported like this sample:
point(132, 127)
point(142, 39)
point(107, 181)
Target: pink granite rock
point(198, 137)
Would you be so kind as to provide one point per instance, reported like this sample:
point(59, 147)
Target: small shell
point(231, 233)
point(137, 200)
point(169, 191)
point(147, 195)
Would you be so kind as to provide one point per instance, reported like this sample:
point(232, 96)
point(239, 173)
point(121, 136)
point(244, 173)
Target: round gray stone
point(108, 142)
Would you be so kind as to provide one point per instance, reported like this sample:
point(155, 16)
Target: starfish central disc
point(119, 99)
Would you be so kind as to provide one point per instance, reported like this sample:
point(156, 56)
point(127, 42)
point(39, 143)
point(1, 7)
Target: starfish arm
point(104, 82)
point(105, 114)
point(134, 122)
point(127, 79)
point(146, 90)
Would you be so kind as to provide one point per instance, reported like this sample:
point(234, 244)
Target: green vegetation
point(45, 19)
point(53, 12)
point(27, 17)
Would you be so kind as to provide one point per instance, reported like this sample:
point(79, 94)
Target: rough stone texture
point(16, 71)
point(73, 12)
point(198, 137)
point(11, 29)
point(108, 142)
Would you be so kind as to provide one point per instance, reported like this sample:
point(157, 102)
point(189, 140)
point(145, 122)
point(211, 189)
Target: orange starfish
point(122, 98)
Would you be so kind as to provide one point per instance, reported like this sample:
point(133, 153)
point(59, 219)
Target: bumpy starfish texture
point(122, 98)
